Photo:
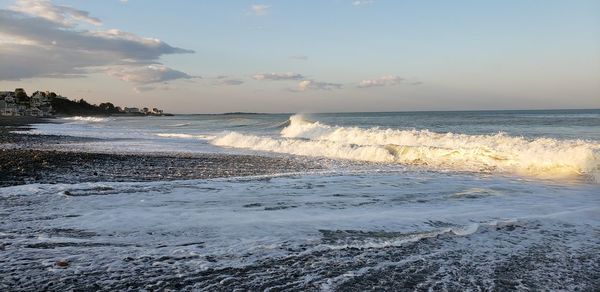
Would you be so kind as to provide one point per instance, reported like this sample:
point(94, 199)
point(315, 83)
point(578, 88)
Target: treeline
point(81, 107)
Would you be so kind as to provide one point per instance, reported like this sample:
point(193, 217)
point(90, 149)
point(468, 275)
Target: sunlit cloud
point(306, 85)
point(147, 74)
point(278, 76)
point(260, 9)
point(381, 81)
point(55, 13)
point(40, 39)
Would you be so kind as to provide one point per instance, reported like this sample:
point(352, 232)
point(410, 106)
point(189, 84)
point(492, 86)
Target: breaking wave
point(541, 157)
point(86, 119)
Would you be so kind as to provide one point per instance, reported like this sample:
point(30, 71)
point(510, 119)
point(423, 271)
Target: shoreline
point(30, 163)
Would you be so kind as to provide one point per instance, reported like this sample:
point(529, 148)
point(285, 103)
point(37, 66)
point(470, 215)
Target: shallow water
point(466, 222)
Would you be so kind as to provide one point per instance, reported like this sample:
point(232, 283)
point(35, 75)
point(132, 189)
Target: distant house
point(132, 110)
point(33, 112)
point(21, 110)
point(37, 99)
point(7, 109)
point(3, 107)
point(45, 110)
point(7, 96)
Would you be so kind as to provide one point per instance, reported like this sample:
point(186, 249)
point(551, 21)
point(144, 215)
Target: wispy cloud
point(260, 9)
point(306, 85)
point(299, 57)
point(226, 80)
point(381, 81)
point(46, 40)
point(278, 76)
point(362, 2)
point(55, 13)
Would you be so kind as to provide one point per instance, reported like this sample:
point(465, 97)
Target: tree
point(21, 95)
point(107, 106)
point(40, 93)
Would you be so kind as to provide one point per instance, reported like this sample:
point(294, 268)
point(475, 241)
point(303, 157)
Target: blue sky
point(322, 55)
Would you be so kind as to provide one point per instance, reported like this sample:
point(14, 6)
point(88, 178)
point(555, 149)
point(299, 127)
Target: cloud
point(278, 76)
point(225, 80)
point(55, 13)
point(147, 74)
point(299, 57)
point(260, 9)
point(306, 85)
point(362, 2)
point(232, 82)
point(381, 81)
point(43, 40)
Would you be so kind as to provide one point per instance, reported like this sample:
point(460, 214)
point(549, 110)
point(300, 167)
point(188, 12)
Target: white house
point(7, 109)
point(132, 110)
point(37, 100)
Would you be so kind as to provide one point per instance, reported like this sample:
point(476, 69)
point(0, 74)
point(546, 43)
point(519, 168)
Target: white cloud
point(278, 76)
point(305, 85)
point(55, 13)
point(260, 9)
point(381, 81)
point(44, 40)
point(362, 2)
point(146, 74)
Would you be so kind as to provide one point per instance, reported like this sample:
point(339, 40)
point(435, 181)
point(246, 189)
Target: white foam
point(184, 136)
point(86, 119)
point(541, 157)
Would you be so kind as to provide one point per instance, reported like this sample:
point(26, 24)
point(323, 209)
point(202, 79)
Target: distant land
point(241, 113)
point(50, 104)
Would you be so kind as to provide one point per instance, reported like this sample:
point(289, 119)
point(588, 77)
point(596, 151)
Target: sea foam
point(540, 157)
point(86, 119)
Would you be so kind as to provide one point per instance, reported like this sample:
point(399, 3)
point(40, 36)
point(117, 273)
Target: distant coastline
point(49, 104)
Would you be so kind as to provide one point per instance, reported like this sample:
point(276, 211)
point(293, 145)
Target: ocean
point(401, 200)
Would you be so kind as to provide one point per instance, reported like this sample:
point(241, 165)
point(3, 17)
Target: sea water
point(442, 200)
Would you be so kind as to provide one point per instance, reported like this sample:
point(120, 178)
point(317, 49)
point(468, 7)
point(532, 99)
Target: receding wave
point(183, 136)
point(542, 157)
point(180, 125)
point(86, 119)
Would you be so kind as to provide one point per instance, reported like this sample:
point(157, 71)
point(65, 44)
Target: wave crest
point(86, 119)
point(541, 157)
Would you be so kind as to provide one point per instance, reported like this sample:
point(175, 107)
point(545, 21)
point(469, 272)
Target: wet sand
point(23, 160)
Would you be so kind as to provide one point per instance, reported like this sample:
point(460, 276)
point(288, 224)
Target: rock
point(62, 263)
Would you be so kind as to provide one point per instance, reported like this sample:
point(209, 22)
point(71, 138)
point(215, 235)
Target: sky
point(207, 56)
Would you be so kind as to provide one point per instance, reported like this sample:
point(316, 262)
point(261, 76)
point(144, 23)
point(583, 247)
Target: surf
point(539, 157)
